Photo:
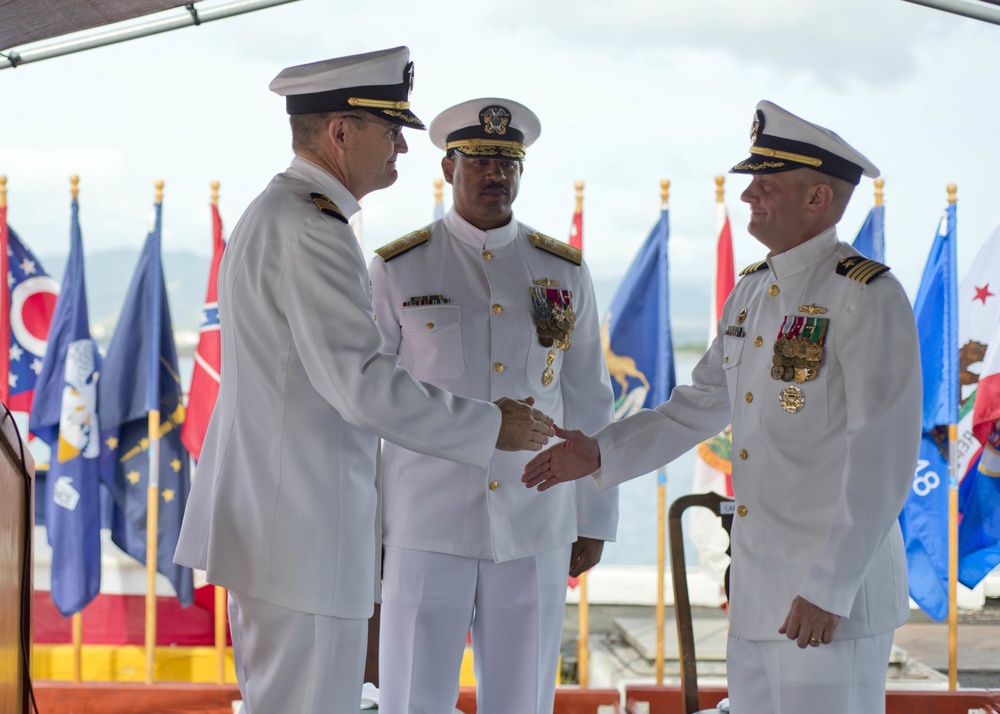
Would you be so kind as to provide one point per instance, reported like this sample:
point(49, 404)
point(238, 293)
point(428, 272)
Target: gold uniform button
point(743, 454)
point(498, 367)
point(758, 341)
point(487, 255)
point(430, 325)
point(494, 485)
point(749, 397)
point(497, 308)
point(772, 291)
point(725, 360)
point(741, 510)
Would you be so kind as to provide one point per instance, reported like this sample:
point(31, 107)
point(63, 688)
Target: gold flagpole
point(220, 592)
point(879, 184)
point(661, 520)
point(583, 632)
point(74, 192)
point(152, 521)
point(952, 528)
point(438, 191)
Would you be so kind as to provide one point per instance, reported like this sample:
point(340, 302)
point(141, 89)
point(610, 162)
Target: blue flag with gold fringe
point(64, 415)
point(924, 520)
point(635, 332)
point(139, 376)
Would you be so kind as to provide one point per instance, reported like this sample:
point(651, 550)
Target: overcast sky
point(628, 93)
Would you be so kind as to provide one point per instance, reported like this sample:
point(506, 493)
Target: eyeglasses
point(393, 131)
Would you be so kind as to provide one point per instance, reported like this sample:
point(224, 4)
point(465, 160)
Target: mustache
point(495, 184)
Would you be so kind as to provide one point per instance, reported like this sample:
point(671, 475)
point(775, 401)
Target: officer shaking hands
point(817, 366)
point(284, 507)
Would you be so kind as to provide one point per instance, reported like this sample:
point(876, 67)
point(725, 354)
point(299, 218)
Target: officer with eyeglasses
point(284, 506)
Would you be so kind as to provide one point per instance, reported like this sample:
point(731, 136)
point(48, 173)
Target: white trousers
point(291, 661)
point(843, 677)
point(515, 610)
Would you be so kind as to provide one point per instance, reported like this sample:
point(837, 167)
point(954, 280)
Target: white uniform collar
point(472, 236)
point(805, 255)
point(325, 183)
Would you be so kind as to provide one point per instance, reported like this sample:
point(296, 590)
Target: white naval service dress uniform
point(470, 545)
point(821, 469)
point(283, 508)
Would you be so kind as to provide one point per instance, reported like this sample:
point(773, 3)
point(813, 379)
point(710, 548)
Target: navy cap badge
point(757, 126)
point(495, 120)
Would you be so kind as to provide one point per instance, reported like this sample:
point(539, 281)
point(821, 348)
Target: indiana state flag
point(32, 303)
point(924, 519)
point(635, 332)
point(140, 376)
point(64, 416)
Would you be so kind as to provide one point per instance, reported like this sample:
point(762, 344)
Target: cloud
point(823, 40)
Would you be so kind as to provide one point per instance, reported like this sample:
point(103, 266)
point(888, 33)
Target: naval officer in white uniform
point(484, 306)
point(817, 365)
point(284, 508)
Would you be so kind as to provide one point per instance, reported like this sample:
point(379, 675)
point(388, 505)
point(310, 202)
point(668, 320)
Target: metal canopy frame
point(186, 17)
point(976, 9)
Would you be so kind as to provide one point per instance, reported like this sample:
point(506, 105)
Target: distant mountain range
point(109, 273)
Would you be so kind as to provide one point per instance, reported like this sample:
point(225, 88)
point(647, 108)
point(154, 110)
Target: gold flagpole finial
point(438, 190)
point(952, 193)
point(3, 191)
point(879, 184)
point(578, 185)
point(719, 191)
point(664, 192)
point(74, 186)
point(215, 193)
point(158, 196)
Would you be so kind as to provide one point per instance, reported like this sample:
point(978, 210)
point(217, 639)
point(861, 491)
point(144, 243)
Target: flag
point(208, 356)
point(979, 495)
point(576, 228)
point(870, 241)
point(713, 467)
point(140, 375)
point(924, 519)
point(25, 314)
point(64, 415)
point(978, 310)
point(636, 329)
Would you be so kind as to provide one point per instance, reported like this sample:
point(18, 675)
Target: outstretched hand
point(569, 460)
point(521, 426)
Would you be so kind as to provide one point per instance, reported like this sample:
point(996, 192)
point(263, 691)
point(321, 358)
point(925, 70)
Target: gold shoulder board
point(551, 245)
point(860, 269)
point(754, 267)
point(327, 206)
point(401, 245)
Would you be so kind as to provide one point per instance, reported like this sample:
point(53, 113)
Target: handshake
point(522, 427)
